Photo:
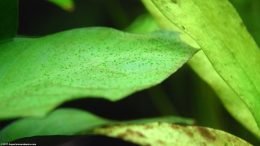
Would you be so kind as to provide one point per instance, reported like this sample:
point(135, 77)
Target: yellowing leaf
point(168, 134)
point(221, 34)
point(201, 65)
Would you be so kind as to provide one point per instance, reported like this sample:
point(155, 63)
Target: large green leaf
point(68, 122)
point(201, 65)
point(168, 134)
point(8, 18)
point(60, 122)
point(38, 74)
point(219, 31)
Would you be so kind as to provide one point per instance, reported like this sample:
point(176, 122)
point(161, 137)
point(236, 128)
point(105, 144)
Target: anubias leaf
point(67, 121)
point(168, 134)
point(8, 17)
point(202, 66)
point(229, 48)
point(38, 74)
point(60, 122)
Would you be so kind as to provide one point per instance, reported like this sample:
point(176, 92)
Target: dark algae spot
point(175, 126)
point(122, 135)
point(134, 133)
point(206, 134)
point(148, 127)
point(188, 132)
point(160, 142)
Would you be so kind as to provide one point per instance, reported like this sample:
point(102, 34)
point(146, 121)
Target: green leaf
point(143, 24)
point(68, 122)
point(38, 74)
point(201, 65)
point(8, 17)
point(67, 5)
point(168, 134)
point(60, 122)
point(221, 34)
point(249, 10)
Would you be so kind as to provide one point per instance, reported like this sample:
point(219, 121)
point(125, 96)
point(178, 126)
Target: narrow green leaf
point(68, 122)
point(38, 74)
point(168, 134)
point(67, 5)
point(60, 122)
point(143, 24)
point(221, 34)
point(8, 18)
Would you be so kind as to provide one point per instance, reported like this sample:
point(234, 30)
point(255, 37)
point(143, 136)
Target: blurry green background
point(183, 94)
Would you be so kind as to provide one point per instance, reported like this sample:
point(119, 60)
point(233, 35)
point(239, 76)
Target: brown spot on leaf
point(122, 135)
point(160, 142)
point(188, 132)
point(175, 126)
point(206, 134)
point(148, 127)
point(132, 133)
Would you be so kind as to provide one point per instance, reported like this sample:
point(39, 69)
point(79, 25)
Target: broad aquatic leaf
point(221, 34)
point(8, 18)
point(38, 74)
point(168, 134)
point(67, 5)
point(68, 121)
point(202, 66)
point(60, 122)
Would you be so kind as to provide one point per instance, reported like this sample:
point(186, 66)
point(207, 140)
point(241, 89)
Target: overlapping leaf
point(231, 101)
point(38, 74)
point(168, 134)
point(201, 65)
point(67, 121)
point(229, 48)
point(60, 122)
